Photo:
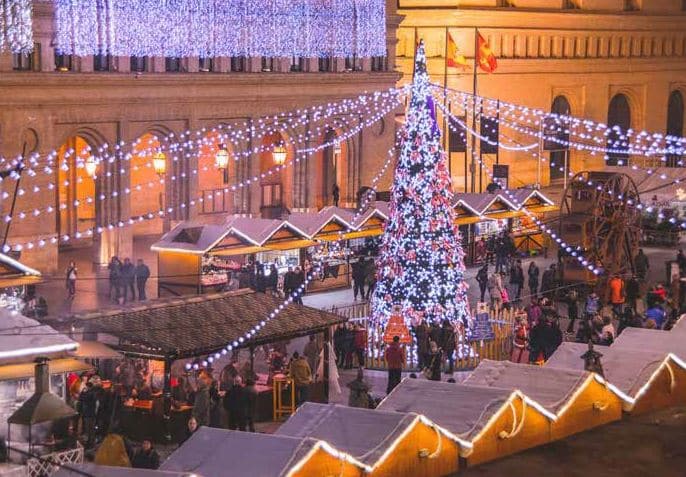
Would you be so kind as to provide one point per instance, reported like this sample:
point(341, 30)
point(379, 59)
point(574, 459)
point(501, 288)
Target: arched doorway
point(76, 192)
point(619, 122)
point(559, 152)
point(675, 126)
point(148, 195)
point(274, 190)
point(332, 171)
point(213, 180)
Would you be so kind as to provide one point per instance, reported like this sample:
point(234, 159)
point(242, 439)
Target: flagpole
point(446, 139)
point(474, 90)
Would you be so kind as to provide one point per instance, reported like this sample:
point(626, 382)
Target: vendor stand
point(168, 330)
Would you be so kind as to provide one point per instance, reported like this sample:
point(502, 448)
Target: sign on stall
point(482, 329)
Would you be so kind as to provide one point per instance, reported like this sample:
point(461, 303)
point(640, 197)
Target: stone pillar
point(254, 193)
point(222, 64)
point(254, 64)
point(157, 64)
point(123, 64)
point(193, 64)
point(5, 61)
point(85, 64)
point(338, 65)
point(47, 56)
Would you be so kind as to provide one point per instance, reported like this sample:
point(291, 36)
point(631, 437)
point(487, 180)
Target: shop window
point(22, 61)
point(63, 62)
point(139, 64)
point(379, 63)
point(267, 64)
point(237, 64)
point(206, 65)
point(172, 64)
point(325, 64)
point(102, 62)
point(297, 63)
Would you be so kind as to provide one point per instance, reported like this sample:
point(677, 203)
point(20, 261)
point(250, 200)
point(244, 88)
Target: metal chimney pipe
point(42, 374)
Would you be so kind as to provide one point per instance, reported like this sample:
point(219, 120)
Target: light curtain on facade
point(208, 28)
point(16, 26)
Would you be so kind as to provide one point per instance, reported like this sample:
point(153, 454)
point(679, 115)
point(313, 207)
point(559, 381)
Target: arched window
point(675, 126)
point(558, 142)
point(619, 122)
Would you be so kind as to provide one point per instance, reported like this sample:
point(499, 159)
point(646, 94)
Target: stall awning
point(56, 366)
point(95, 350)
point(14, 273)
point(198, 325)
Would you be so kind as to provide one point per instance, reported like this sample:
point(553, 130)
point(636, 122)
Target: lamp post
point(279, 153)
point(221, 161)
point(159, 163)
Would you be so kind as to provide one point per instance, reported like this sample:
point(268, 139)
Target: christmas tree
point(421, 263)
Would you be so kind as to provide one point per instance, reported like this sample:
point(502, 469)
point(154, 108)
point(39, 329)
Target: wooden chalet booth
point(574, 401)
point(15, 274)
point(388, 443)
point(172, 332)
point(487, 423)
point(644, 380)
point(215, 452)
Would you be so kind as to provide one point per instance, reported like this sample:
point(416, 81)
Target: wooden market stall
point(573, 400)
point(215, 452)
point(167, 330)
point(15, 274)
point(488, 423)
point(645, 380)
point(388, 443)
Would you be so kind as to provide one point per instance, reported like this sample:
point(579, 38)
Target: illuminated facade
point(75, 105)
point(612, 61)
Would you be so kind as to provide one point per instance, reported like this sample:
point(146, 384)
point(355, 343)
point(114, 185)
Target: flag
point(453, 57)
point(485, 57)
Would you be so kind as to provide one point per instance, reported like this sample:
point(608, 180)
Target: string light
point(16, 26)
point(230, 28)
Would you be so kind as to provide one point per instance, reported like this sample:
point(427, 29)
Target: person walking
point(633, 291)
point(681, 261)
point(336, 194)
point(495, 290)
point(338, 345)
point(548, 281)
point(448, 344)
point(234, 406)
point(249, 404)
point(533, 273)
point(202, 403)
point(520, 350)
point(482, 280)
point(128, 277)
point(88, 408)
point(142, 273)
point(572, 309)
point(71, 275)
point(641, 264)
point(114, 268)
point(370, 271)
point(421, 334)
point(298, 282)
point(359, 277)
point(301, 373)
point(616, 286)
point(517, 279)
point(395, 359)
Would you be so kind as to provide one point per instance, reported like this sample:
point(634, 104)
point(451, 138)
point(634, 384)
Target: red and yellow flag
point(485, 57)
point(453, 57)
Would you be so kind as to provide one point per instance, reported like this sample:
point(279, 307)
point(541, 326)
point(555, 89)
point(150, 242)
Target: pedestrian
point(572, 309)
point(616, 286)
point(517, 279)
point(359, 391)
point(301, 374)
point(495, 290)
point(681, 261)
point(311, 351)
point(336, 194)
point(273, 279)
point(395, 359)
point(371, 278)
point(360, 344)
point(481, 252)
point(448, 344)
point(657, 314)
point(490, 248)
point(114, 268)
point(299, 285)
point(433, 373)
point(482, 280)
point(288, 281)
point(142, 273)
point(88, 408)
point(641, 264)
point(72, 273)
point(234, 405)
point(128, 276)
point(548, 281)
point(633, 291)
point(520, 350)
point(359, 277)
point(338, 345)
point(146, 457)
point(533, 273)
point(544, 339)
point(592, 306)
point(250, 404)
point(501, 253)
point(202, 404)
point(421, 334)
point(607, 332)
point(533, 312)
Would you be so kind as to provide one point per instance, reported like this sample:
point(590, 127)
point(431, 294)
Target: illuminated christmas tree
point(421, 263)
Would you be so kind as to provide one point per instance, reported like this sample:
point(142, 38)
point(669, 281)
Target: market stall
point(166, 331)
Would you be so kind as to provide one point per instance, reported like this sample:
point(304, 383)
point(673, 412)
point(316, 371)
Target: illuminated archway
point(275, 190)
point(619, 122)
point(332, 171)
point(675, 126)
point(559, 157)
point(147, 186)
point(76, 191)
point(212, 181)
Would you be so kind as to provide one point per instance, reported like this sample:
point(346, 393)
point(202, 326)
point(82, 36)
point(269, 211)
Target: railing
point(469, 354)
point(47, 465)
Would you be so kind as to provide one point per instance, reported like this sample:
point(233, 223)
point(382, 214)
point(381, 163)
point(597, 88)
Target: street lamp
point(279, 154)
point(159, 163)
point(91, 166)
point(221, 161)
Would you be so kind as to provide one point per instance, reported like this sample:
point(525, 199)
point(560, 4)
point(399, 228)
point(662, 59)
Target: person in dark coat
point(533, 273)
point(128, 273)
point(338, 345)
point(482, 280)
point(548, 281)
point(298, 281)
point(249, 404)
point(114, 269)
point(421, 334)
point(448, 344)
point(71, 275)
point(191, 427)
point(544, 339)
point(435, 361)
point(517, 278)
point(435, 333)
point(142, 273)
point(359, 277)
point(642, 264)
point(273, 279)
point(288, 281)
point(633, 291)
point(572, 309)
point(234, 403)
point(146, 457)
point(370, 273)
point(88, 407)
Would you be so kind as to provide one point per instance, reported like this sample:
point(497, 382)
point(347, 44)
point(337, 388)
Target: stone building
point(76, 105)
point(620, 62)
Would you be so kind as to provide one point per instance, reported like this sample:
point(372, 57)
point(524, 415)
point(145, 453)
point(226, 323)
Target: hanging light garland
point(233, 28)
point(16, 26)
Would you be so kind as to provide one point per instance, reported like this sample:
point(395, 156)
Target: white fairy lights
point(16, 26)
point(233, 28)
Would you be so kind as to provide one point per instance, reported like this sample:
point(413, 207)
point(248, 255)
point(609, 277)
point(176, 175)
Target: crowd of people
point(126, 280)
